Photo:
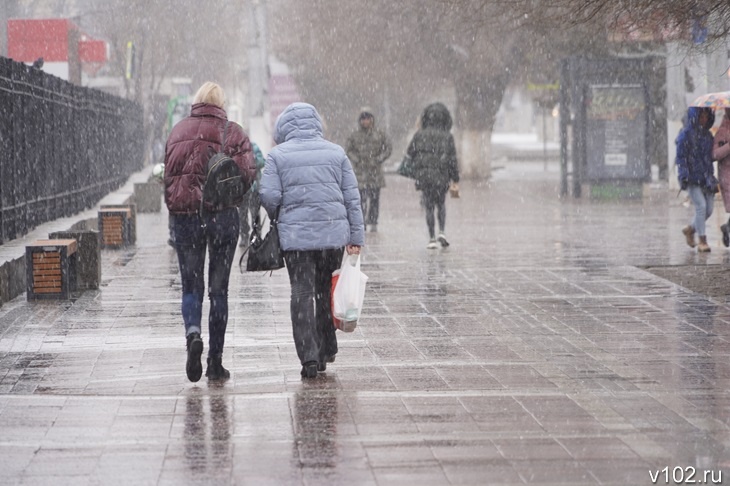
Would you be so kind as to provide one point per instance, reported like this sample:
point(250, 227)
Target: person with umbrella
point(721, 150)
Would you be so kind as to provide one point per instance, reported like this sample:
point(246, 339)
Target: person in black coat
point(435, 167)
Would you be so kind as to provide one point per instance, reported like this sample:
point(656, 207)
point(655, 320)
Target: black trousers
point(370, 199)
point(310, 274)
point(218, 236)
point(434, 198)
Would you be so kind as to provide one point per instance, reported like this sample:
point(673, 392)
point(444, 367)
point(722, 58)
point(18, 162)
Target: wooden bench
point(88, 256)
point(116, 227)
point(51, 269)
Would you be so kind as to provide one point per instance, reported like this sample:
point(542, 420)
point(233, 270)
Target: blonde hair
point(210, 93)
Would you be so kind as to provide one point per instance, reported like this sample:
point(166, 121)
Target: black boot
point(725, 228)
point(309, 369)
point(215, 370)
point(322, 365)
point(195, 348)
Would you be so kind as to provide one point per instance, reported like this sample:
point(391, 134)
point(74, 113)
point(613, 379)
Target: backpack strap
point(225, 136)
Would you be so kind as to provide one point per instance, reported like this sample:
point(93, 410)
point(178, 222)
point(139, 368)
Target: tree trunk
point(474, 152)
point(478, 100)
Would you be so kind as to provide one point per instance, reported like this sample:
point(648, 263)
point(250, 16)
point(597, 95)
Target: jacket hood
point(693, 116)
point(365, 112)
point(436, 115)
point(298, 120)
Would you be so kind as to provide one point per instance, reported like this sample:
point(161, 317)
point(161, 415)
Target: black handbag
point(407, 168)
point(264, 252)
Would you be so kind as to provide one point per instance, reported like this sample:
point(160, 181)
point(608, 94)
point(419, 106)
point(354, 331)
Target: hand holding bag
point(342, 326)
point(454, 190)
point(349, 293)
point(264, 253)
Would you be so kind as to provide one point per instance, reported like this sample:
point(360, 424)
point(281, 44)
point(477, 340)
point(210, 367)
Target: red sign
point(29, 39)
point(91, 50)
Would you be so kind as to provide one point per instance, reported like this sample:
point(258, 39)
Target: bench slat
point(70, 245)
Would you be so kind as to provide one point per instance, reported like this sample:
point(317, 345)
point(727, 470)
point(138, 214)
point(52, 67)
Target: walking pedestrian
point(696, 172)
point(251, 204)
point(721, 153)
point(309, 181)
point(435, 167)
point(186, 156)
point(368, 148)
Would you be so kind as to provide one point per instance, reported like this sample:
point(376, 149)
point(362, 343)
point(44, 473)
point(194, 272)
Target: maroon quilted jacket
point(186, 155)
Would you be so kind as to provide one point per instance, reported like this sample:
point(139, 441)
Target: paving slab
point(536, 349)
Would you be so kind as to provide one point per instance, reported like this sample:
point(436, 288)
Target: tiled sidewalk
point(532, 351)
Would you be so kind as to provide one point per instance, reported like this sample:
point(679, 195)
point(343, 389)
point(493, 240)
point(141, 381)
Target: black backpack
point(223, 184)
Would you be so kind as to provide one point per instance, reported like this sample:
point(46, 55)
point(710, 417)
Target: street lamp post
point(257, 71)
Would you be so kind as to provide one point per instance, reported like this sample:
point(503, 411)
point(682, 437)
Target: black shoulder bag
point(264, 252)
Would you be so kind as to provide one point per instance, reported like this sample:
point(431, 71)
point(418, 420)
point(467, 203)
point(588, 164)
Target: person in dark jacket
point(311, 182)
point(433, 155)
point(368, 148)
point(696, 172)
point(186, 156)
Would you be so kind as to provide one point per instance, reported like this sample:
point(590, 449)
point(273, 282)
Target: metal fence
point(62, 147)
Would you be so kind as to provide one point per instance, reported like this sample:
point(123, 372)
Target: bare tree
point(349, 54)
point(405, 53)
point(171, 39)
point(706, 20)
point(185, 38)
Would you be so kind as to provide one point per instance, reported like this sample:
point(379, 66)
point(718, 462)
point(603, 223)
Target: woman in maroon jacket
point(186, 155)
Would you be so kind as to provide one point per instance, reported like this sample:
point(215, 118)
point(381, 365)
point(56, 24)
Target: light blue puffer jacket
point(313, 181)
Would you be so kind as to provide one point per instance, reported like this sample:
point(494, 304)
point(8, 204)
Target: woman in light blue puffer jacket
point(312, 182)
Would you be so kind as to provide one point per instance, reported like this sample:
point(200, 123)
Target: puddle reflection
point(207, 436)
point(315, 426)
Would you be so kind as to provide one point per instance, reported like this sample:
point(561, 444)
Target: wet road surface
point(534, 350)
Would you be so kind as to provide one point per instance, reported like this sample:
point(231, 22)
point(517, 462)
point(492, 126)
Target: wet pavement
point(536, 349)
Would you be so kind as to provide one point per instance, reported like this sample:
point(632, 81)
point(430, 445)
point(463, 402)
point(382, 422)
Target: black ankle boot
point(193, 368)
point(322, 365)
point(215, 370)
point(309, 369)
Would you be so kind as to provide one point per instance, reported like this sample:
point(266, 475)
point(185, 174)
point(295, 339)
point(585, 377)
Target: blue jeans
point(310, 274)
point(219, 236)
point(703, 203)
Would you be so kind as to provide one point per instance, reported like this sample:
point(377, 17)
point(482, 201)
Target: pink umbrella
point(713, 100)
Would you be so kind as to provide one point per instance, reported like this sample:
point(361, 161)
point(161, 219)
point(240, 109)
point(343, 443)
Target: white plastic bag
point(349, 293)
